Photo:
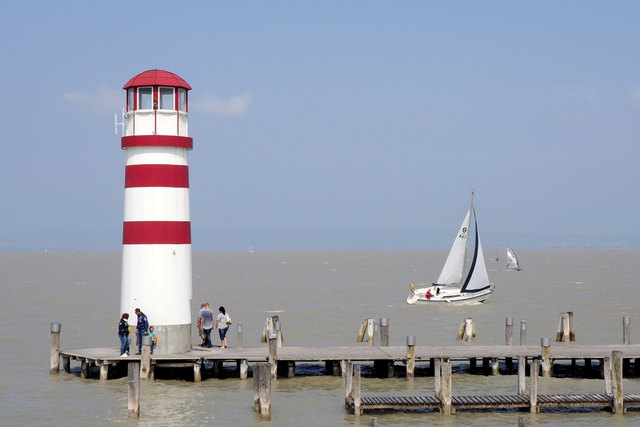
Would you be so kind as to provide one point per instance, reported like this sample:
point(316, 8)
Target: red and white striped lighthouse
point(156, 254)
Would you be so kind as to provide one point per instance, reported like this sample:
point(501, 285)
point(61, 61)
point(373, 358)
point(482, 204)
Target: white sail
point(478, 278)
point(452, 270)
point(512, 262)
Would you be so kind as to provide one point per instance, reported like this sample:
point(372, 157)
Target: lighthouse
point(156, 251)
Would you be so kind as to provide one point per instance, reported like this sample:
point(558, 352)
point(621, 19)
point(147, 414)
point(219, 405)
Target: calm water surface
point(321, 298)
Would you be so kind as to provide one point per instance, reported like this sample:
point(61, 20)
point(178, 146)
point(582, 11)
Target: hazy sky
point(332, 124)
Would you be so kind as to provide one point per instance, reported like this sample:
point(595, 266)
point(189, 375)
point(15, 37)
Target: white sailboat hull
point(448, 295)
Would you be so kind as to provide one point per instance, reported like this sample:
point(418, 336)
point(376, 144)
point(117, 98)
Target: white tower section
point(156, 253)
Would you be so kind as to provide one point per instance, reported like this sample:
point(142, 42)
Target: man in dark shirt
point(141, 328)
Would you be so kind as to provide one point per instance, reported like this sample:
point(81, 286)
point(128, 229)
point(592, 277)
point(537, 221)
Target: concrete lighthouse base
point(172, 339)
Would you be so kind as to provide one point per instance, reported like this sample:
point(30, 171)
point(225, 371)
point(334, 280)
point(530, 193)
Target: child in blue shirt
point(155, 338)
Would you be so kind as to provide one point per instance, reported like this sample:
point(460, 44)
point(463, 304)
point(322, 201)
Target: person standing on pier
point(123, 334)
point(207, 325)
point(199, 323)
point(222, 324)
point(141, 328)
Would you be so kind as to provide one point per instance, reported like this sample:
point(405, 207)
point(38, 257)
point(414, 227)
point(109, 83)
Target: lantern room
point(157, 104)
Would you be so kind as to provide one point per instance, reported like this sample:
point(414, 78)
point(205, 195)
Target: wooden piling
point(104, 371)
point(362, 331)
point(347, 375)
point(572, 331)
point(522, 372)
point(616, 367)
point(447, 407)
point(523, 332)
point(495, 366)
point(437, 377)
point(357, 390)
point(508, 340)
point(133, 403)
point(66, 364)
point(411, 356)
point(262, 389)
point(533, 397)
point(197, 371)
point(370, 331)
point(626, 330)
point(84, 369)
point(384, 332)
point(145, 358)
point(243, 369)
point(240, 335)
point(547, 363)
point(278, 328)
point(273, 353)
point(606, 373)
point(55, 347)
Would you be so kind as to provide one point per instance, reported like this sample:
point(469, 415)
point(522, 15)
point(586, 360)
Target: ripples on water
point(321, 299)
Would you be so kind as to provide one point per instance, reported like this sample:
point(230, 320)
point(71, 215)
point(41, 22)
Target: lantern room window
point(145, 98)
point(166, 98)
point(182, 99)
point(131, 92)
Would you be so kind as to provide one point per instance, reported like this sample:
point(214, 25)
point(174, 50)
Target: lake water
point(321, 298)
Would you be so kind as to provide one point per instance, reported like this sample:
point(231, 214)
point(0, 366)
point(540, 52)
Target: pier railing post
point(357, 390)
point(523, 332)
point(55, 347)
point(262, 389)
point(533, 399)
point(240, 339)
point(547, 363)
point(411, 356)
point(384, 332)
point(133, 403)
point(618, 396)
point(626, 330)
point(273, 353)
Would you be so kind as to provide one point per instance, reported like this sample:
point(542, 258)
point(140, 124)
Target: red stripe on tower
point(176, 176)
point(156, 233)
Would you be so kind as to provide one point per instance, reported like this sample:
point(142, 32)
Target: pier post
point(447, 408)
point(547, 363)
point(384, 332)
point(55, 347)
point(523, 332)
point(370, 331)
point(104, 370)
point(66, 364)
point(84, 369)
point(533, 399)
point(606, 373)
point(197, 371)
point(626, 330)
point(145, 358)
point(508, 340)
point(133, 403)
point(240, 339)
point(469, 329)
point(495, 366)
point(273, 352)
point(357, 390)
point(411, 356)
point(522, 372)
point(347, 375)
point(243, 368)
point(572, 331)
point(437, 377)
point(278, 328)
point(618, 396)
point(262, 389)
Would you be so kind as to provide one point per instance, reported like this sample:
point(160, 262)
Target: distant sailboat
point(453, 285)
point(512, 260)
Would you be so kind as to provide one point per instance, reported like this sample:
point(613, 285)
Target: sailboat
point(512, 263)
point(453, 285)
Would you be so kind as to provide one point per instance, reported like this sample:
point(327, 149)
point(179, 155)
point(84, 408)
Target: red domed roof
point(157, 78)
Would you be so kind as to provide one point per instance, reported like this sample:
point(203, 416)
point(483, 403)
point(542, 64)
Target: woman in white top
point(222, 323)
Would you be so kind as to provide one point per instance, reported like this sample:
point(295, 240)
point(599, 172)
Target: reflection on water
point(321, 298)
